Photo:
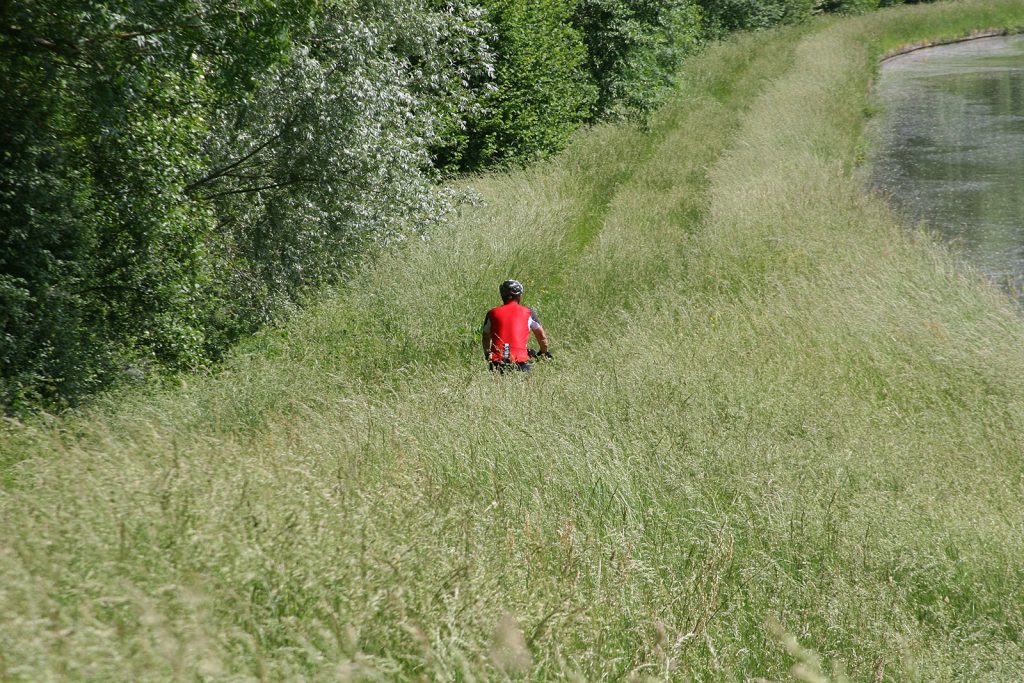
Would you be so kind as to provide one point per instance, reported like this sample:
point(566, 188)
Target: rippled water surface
point(950, 147)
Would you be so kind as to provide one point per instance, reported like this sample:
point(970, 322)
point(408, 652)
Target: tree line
point(175, 174)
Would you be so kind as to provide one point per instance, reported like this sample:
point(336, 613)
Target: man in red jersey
point(507, 329)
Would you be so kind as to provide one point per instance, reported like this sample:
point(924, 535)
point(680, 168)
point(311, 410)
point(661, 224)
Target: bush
point(725, 16)
point(562, 63)
point(635, 48)
point(541, 91)
point(853, 6)
point(101, 125)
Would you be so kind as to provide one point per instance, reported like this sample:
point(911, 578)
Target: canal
point(948, 148)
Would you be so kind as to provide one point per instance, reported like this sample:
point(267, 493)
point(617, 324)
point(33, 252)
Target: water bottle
point(505, 355)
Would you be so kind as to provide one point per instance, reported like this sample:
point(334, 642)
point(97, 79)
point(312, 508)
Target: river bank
point(946, 149)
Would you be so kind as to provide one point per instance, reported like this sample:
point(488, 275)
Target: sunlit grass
point(774, 413)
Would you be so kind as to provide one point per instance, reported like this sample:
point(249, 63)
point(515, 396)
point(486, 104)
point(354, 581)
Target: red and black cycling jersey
point(510, 324)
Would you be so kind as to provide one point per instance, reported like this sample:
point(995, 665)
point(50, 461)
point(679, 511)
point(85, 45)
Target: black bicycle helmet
point(510, 289)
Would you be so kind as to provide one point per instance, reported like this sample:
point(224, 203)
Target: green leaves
point(725, 16)
point(177, 173)
point(635, 48)
point(562, 63)
point(541, 91)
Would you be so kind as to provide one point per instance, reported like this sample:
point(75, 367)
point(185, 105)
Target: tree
point(541, 91)
point(635, 48)
point(175, 173)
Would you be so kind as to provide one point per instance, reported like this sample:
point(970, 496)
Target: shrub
point(635, 49)
point(541, 91)
point(725, 16)
point(851, 6)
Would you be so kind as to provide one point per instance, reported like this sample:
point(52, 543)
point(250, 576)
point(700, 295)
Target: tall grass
point(780, 431)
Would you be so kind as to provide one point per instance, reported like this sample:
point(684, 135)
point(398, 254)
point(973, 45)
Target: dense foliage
point(175, 174)
point(635, 47)
point(725, 16)
point(541, 91)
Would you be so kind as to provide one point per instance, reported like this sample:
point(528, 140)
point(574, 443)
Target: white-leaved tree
point(329, 155)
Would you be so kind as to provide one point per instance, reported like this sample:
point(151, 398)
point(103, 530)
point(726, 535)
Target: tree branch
point(65, 48)
point(224, 170)
point(274, 185)
point(259, 188)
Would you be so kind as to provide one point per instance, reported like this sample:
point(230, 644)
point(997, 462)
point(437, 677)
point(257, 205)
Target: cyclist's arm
point(538, 332)
point(485, 334)
point(542, 338)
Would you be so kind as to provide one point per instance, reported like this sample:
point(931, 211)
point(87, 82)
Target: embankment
point(773, 410)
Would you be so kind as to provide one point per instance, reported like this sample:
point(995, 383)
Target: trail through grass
point(774, 413)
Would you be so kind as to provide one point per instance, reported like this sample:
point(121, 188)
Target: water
point(950, 148)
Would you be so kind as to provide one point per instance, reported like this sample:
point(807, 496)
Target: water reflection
point(950, 147)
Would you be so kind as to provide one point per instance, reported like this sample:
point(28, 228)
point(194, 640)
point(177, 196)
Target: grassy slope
point(770, 405)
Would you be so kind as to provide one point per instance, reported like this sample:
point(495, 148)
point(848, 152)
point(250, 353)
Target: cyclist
point(507, 329)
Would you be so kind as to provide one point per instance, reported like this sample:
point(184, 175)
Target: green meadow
point(781, 437)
